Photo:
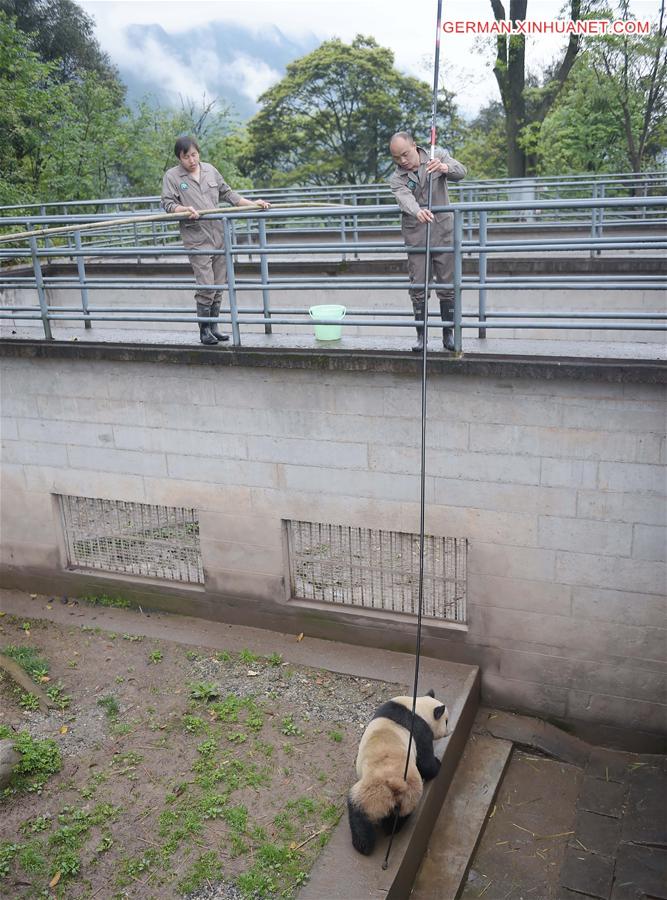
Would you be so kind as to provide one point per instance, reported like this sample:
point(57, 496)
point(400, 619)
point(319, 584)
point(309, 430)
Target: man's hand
point(263, 204)
point(425, 215)
point(193, 214)
point(437, 167)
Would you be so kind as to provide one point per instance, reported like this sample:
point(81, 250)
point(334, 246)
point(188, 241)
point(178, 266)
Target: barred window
point(374, 569)
point(132, 538)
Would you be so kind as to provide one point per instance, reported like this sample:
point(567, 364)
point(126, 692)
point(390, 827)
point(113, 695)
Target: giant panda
point(381, 791)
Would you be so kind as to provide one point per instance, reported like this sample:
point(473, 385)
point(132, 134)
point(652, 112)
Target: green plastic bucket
point(327, 332)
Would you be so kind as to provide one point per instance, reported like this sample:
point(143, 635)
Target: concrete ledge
point(630, 371)
point(363, 875)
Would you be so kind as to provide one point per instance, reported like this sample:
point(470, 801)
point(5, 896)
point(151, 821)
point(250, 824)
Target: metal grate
point(375, 569)
point(133, 538)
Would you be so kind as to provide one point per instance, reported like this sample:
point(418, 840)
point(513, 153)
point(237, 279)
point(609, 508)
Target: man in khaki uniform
point(189, 187)
point(409, 184)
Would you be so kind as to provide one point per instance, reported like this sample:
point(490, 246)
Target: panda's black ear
point(439, 711)
point(430, 693)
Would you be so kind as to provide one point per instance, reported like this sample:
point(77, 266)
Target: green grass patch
point(29, 660)
point(39, 760)
point(110, 705)
point(206, 868)
point(104, 600)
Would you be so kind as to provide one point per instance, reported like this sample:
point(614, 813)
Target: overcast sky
point(406, 26)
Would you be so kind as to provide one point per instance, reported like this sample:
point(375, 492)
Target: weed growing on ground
point(205, 869)
point(193, 724)
point(29, 702)
point(275, 659)
point(56, 692)
point(223, 656)
point(103, 600)
point(29, 660)
point(204, 690)
point(248, 657)
point(134, 638)
point(289, 727)
point(110, 706)
point(39, 759)
point(336, 736)
point(156, 656)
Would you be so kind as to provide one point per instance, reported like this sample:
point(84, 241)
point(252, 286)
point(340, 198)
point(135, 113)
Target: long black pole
point(422, 487)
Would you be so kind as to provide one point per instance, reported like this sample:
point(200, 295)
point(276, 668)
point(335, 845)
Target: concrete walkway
point(185, 336)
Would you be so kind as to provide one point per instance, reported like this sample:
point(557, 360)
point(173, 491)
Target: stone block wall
point(558, 483)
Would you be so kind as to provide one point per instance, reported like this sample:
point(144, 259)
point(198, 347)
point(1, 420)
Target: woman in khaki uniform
point(190, 187)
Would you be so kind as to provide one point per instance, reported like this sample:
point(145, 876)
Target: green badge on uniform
point(183, 185)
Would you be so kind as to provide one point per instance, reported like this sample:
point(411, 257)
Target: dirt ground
point(185, 771)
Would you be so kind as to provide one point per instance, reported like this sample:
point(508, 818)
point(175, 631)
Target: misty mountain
point(221, 59)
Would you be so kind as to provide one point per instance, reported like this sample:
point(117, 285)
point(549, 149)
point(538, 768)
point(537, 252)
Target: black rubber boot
point(418, 307)
point(217, 334)
point(206, 336)
point(447, 312)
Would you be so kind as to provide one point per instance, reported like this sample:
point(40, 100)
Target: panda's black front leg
point(428, 763)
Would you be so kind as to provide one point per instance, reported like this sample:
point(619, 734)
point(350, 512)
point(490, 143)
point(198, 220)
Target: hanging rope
point(422, 488)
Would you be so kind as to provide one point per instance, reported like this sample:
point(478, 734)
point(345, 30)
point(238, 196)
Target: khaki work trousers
point(208, 269)
point(442, 270)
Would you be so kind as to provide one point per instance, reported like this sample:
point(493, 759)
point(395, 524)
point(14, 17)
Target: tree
point(482, 149)
point(510, 73)
point(632, 71)
point(149, 134)
point(61, 32)
point(329, 120)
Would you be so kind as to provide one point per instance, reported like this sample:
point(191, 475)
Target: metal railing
point(465, 241)
point(536, 190)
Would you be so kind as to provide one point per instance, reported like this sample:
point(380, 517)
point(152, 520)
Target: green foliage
point(39, 759)
point(56, 692)
point(275, 659)
point(483, 146)
point(104, 600)
point(36, 666)
point(329, 120)
point(206, 868)
point(248, 657)
point(336, 736)
point(289, 727)
point(204, 690)
point(7, 853)
point(110, 706)
point(29, 702)
point(156, 656)
point(193, 724)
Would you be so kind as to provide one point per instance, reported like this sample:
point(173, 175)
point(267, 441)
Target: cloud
point(249, 75)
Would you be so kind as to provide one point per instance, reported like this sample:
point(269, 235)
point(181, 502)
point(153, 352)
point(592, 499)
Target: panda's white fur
point(381, 791)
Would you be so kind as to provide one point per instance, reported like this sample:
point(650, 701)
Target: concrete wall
point(559, 485)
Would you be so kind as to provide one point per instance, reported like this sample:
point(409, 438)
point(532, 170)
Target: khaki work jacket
point(411, 192)
point(180, 188)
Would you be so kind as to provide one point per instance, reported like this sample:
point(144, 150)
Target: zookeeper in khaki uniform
point(409, 184)
point(189, 187)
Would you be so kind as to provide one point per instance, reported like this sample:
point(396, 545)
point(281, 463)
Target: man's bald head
point(404, 150)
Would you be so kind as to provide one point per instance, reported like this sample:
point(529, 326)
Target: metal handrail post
point(81, 268)
point(39, 283)
point(231, 281)
point(600, 230)
point(355, 226)
point(482, 271)
point(264, 272)
point(458, 279)
point(594, 219)
point(342, 233)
